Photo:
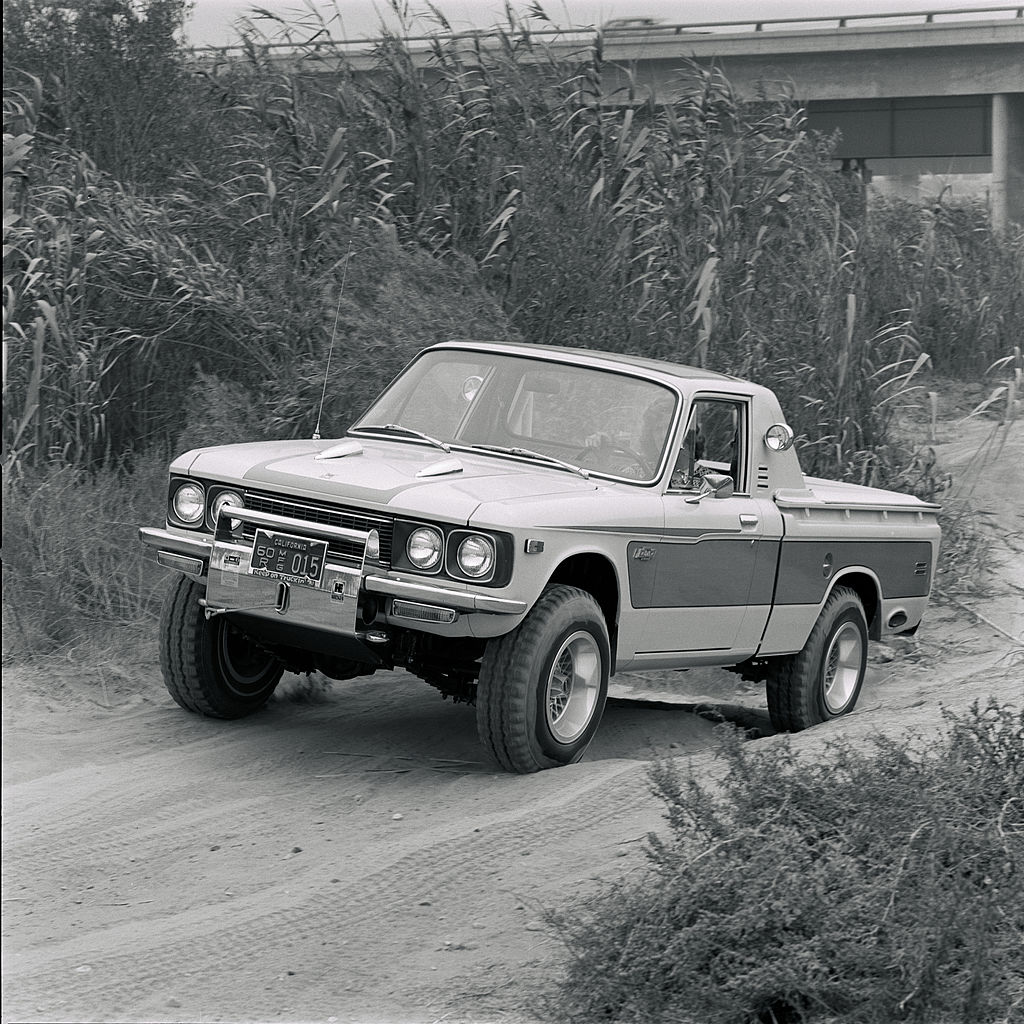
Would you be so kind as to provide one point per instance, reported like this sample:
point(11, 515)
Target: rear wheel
point(823, 680)
point(209, 665)
point(543, 687)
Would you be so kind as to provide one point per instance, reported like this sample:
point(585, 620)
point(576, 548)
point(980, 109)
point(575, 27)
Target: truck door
point(716, 561)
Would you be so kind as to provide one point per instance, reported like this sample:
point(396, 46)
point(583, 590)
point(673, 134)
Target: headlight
point(226, 498)
point(476, 556)
point(424, 547)
point(189, 503)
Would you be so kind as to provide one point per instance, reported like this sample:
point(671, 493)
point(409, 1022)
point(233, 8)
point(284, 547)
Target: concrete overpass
point(911, 93)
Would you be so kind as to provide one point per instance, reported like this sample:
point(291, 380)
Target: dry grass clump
point(965, 558)
point(74, 571)
point(860, 887)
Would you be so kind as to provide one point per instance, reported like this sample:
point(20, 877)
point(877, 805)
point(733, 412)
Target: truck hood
point(404, 477)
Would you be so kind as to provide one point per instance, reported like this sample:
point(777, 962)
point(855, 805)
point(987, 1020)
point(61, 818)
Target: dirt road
point(347, 854)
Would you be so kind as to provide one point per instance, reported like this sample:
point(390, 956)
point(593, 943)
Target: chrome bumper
point(194, 556)
point(427, 593)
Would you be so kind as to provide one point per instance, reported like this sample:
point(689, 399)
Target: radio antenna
point(330, 351)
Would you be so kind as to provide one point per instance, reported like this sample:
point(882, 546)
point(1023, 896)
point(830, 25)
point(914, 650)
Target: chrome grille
point(328, 515)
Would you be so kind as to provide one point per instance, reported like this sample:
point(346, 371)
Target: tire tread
point(185, 663)
point(503, 719)
point(792, 704)
point(180, 648)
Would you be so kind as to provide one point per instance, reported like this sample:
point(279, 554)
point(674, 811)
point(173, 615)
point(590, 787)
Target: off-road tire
point(209, 666)
point(529, 714)
point(822, 681)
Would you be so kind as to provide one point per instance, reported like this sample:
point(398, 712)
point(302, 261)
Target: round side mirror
point(778, 437)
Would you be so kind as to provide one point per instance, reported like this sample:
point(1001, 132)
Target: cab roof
point(658, 368)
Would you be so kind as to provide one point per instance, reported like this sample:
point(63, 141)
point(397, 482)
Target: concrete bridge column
point(1007, 160)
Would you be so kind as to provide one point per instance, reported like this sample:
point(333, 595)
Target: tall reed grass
point(704, 229)
point(507, 192)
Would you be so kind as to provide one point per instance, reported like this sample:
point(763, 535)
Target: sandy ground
point(348, 854)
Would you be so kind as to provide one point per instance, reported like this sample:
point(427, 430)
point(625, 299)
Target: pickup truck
point(514, 524)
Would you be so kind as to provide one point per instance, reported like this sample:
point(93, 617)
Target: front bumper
point(350, 601)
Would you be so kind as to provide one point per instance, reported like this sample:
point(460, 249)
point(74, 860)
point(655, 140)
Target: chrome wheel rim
point(842, 667)
point(573, 687)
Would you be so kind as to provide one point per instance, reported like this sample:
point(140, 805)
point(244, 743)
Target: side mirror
point(718, 485)
point(778, 437)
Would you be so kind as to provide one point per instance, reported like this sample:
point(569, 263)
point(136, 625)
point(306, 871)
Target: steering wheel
point(635, 459)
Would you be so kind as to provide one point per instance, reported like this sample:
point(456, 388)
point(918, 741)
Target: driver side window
point(713, 443)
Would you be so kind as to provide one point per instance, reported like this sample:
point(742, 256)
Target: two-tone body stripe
point(709, 568)
point(609, 531)
point(658, 532)
point(903, 568)
point(715, 573)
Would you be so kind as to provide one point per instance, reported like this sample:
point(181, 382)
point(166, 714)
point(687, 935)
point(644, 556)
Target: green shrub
point(392, 304)
point(860, 886)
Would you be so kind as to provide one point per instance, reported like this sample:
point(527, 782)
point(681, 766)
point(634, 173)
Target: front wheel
point(209, 665)
point(824, 680)
point(543, 687)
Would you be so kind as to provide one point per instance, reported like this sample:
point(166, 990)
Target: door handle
point(746, 519)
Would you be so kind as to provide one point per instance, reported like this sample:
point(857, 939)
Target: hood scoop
point(442, 468)
point(338, 451)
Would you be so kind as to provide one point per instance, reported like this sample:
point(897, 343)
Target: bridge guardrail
point(627, 29)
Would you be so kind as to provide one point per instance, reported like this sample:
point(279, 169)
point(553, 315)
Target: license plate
point(280, 556)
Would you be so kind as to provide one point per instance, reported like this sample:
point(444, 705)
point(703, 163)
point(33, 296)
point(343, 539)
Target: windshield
point(605, 422)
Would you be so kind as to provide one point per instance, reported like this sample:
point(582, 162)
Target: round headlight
point(226, 498)
point(476, 556)
point(189, 503)
point(424, 547)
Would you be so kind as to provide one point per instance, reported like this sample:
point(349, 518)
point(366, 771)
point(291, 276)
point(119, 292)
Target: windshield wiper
point(397, 428)
point(526, 453)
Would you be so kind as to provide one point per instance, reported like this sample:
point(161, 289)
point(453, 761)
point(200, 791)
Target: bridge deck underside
point(923, 126)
